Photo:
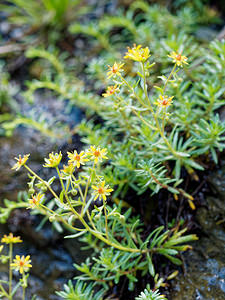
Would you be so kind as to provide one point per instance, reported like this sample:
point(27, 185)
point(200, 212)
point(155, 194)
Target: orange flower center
point(96, 153)
point(77, 157)
point(101, 190)
point(164, 102)
point(114, 69)
point(21, 263)
point(111, 91)
point(178, 57)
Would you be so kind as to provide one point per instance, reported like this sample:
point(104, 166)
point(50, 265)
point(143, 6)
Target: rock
point(205, 265)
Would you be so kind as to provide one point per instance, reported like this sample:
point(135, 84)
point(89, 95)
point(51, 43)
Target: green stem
point(124, 118)
point(106, 219)
point(54, 194)
point(10, 270)
point(87, 186)
point(143, 120)
point(80, 217)
point(24, 291)
point(68, 185)
point(145, 84)
point(165, 139)
point(60, 218)
point(97, 234)
point(168, 79)
point(61, 181)
point(152, 111)
point(44, 182)
point(135, 94)
point(86, 190)
point(88, 214)
point(4, 291)
point(80, 191)
point(120, 247)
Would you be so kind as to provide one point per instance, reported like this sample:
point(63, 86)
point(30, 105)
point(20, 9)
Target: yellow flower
point(77, 159)
point(20, 161)
point(114, 70)
point(101, 191)
point(110, 91)
point(10, 239)
point(21, 264)
point(35, 200)
point(164, 101)
point(178, 58)
point(53, 161)
point(67, 170)
point(137, 53)
point(97, 154)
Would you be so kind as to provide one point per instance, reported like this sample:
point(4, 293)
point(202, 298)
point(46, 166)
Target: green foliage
point(209, 135)
point(148, 294)
point(139, 159)
point(12, 117)
point(6, 90)
point(192, 129)
point(52, 58)
point(112, 231)
point(43, 12)
point(145, 24)
point(81, 291)
point(43, 16)
point(9, 206)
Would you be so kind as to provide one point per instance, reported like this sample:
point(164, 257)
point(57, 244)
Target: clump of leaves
point(164, 128)
point(81, 291)
point(42, 17)
point(113, 232)
point(148, 294)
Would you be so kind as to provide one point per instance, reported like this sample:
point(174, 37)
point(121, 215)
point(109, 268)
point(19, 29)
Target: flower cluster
point(137, 53)
point(19, 263)
point(53, 161)
point(67, 170)
point(10, 239)
point(75, 161)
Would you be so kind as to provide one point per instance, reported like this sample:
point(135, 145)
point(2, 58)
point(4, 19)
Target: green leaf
point(150, 265)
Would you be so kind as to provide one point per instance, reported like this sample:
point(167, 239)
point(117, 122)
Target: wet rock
point(217, 182)
point(52, 263)
point(205, 265)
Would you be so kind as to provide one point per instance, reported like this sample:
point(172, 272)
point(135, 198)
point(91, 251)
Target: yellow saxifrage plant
point(151, 113)
point(110, 228)
point(19, 263)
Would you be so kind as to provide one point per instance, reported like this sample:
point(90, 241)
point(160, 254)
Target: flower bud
point(52, 218)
